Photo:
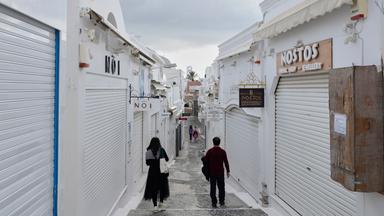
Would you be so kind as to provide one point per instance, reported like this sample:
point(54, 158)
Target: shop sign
point(312, 57)
point(251, 97)
point(142, 105)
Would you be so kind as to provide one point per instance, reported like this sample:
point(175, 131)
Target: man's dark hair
point(216, 141)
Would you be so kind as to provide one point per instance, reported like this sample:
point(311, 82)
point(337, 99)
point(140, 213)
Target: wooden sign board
point(251, 97)
point(311, 57)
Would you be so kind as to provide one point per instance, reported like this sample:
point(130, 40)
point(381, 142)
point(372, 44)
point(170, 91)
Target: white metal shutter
point(303, 150)
point(137, 147)
point(242, 144)
point(27, 90)
point(104, 149)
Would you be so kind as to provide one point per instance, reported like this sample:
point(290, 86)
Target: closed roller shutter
point(104, 149)
point(27, 103)
point(303, 150)
point(137, 147)
point(242, 144)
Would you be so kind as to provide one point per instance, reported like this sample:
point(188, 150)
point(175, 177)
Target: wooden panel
point(369, 154)
point(341, 102)
point(357, 156)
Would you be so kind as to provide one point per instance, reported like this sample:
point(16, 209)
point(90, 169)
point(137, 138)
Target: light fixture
point(84, 57)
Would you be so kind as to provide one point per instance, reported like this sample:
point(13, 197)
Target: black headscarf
point(154, 145)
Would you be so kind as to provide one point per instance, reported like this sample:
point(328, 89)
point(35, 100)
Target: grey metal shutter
point(137, 147)
point(303, 150)
point(242, 144)
point(104, 149)
point(27, 99)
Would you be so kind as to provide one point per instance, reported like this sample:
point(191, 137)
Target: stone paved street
point(190, 191)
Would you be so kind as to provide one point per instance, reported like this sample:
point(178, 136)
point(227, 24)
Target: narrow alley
point(190, 191)
point(96, 95)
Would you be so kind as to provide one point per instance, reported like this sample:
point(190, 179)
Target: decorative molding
point(252, 80)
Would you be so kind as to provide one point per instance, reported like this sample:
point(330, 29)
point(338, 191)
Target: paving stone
point(200, 212)
point(194, 201)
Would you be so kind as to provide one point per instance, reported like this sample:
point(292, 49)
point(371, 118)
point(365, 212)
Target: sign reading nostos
point(251, 97)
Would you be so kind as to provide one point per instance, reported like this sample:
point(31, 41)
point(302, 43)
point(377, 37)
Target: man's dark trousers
point(219, 180)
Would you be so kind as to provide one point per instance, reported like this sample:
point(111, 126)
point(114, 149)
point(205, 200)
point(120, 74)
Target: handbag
point(205, 169)
point(163, 166)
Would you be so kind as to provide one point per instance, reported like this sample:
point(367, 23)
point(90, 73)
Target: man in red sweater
point(216, 157)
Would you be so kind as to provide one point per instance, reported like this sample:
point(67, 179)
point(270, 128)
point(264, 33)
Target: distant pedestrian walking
point(195, 134)
point(190, 132)
point(216, 158)
point(157, 182)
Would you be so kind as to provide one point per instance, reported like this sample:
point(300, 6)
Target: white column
point(70, 111)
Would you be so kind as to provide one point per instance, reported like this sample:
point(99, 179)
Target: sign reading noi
point(141, 105)
point(316, 56)
point(251, 97)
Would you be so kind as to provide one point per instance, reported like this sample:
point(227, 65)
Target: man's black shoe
point(214, 206)
point(222, 205)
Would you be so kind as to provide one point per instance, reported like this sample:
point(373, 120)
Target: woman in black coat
point(156, 182)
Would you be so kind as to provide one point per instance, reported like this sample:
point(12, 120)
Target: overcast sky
point(188, 31)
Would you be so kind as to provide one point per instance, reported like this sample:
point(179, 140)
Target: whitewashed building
point(293, 145)
point(211, 113)
point(174, 79)
point(108, 149)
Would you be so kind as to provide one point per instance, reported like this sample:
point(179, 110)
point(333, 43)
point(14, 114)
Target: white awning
point(236, 51)
point(158, 86)
point(302, 13)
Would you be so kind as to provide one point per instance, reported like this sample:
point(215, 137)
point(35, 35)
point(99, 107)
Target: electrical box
point(356, 128)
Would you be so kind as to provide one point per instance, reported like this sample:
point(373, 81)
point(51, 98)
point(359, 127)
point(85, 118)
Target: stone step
point(195, 201)
point(199, 212)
